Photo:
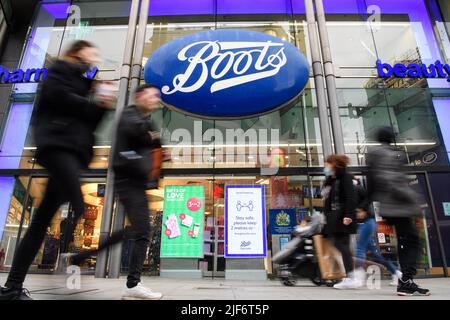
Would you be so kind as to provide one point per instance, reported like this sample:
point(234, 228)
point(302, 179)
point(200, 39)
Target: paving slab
point(62, 287)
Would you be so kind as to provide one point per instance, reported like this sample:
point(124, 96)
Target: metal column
point(318, 80)
point(101, 266)
point(330, 78)
point(119, 218)
point(136, 68)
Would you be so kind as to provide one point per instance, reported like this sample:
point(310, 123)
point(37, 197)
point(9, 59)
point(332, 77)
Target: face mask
point(328, 171)
point(355, 183)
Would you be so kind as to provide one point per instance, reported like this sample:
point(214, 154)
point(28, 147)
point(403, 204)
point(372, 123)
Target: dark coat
point(340, 203)
point(65, 117)
point(388, 184)
point(133, 150)
point(362, 201)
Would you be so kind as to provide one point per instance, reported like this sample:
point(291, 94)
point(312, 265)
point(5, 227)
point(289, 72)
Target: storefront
point(360, 34)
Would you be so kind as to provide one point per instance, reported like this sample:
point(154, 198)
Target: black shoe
point(14, 294)
point(409, 288)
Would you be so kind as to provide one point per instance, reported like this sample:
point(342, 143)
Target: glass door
point(217, 223)
point(208, 264)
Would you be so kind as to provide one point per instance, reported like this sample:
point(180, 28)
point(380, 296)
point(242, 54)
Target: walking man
point(133, 162)
point(389, 186)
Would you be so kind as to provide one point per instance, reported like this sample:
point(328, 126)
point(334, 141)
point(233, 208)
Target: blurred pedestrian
point(133, 163)
point(340, 204)
point(64, 123)
point(366, 240)
point(388, 185)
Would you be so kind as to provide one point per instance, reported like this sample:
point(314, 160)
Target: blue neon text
point(32, 75)
point(414, 70)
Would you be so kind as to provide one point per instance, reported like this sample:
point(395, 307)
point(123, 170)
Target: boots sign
point(228, 73)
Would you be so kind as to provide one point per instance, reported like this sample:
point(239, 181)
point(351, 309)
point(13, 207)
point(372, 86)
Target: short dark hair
point(77, 46)
point(143, 87)
point(385, 135)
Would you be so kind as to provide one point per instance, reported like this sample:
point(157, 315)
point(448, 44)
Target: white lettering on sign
point(226, 63)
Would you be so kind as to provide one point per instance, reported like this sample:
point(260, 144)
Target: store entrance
point(209, 258)
point(211, 262)
point(27, 197)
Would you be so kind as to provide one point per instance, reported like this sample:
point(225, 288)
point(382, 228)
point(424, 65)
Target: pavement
point(62, 287)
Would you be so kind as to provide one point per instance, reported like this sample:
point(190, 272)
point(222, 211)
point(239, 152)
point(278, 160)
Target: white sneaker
point(360, 275)
point(139, 292)
point(348, 283)
point(395, 277)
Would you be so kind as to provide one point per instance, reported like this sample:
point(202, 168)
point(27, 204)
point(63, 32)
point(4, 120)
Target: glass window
point(98, 22)
point(15, 213)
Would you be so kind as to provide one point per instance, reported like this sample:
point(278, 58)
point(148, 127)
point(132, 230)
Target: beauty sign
point(182, 222)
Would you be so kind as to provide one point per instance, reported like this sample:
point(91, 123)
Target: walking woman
point(64, 124)
point(340, 204)
point(366, 237)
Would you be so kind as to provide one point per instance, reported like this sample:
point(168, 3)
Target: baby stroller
point(298, 258)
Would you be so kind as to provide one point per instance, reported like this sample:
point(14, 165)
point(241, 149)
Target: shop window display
point(87, 231)
point(22, 208)
point(12, 225)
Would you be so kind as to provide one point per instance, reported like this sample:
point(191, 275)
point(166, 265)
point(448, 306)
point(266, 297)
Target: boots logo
point(227, 64)
point(228, 73)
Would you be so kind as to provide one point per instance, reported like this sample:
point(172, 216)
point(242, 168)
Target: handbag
point(155, 172)
point(157, 158)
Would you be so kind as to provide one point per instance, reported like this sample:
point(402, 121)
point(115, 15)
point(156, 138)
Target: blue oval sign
point(228, 73)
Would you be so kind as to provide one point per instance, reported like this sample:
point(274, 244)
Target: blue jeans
point(366, 242)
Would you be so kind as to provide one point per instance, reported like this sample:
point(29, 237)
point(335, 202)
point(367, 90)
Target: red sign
point(384, 227)
point(194, 204)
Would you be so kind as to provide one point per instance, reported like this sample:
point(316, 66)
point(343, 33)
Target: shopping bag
point(329, 259)
point(157, 159)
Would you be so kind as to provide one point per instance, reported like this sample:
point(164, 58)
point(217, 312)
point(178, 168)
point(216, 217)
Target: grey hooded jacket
point(388, 184)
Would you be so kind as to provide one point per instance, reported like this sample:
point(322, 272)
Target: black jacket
point(133, 150)
point(362, 202)
point(340, 203)
point(65, 117)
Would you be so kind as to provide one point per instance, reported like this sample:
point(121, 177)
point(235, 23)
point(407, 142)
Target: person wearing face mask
point(339, 206)
point(64, 122)
point(133, 161)
point(367, 227)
